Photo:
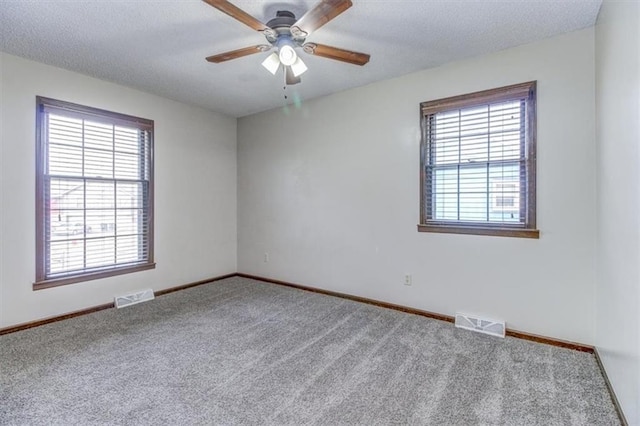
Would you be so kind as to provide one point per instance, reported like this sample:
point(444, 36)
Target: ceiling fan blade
point(322, 13)
point(239, 53)
point(290, 78)
point(237, 13)
point(355, 58)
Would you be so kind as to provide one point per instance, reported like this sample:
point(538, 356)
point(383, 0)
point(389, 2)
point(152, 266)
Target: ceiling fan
point(285, 33)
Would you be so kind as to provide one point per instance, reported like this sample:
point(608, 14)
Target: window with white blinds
point(94, 193)
point(478, 163)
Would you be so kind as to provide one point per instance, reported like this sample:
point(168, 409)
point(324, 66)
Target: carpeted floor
point(241, 352)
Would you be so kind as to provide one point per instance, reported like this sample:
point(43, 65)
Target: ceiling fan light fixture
point(272, 63)
point(287, 54)
point(286, 34)
point(298, 67)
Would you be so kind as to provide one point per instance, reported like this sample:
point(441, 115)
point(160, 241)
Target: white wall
point(331, 191)
point(618, 138)
point(195, 190)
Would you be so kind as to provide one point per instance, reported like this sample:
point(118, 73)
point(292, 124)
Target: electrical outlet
point(266, 257)
point(407, 279)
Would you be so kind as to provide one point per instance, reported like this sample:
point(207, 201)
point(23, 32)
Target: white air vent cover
point(134, 298)
point(481, 325)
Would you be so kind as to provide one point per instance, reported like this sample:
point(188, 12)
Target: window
point(94, 193)
point(478, 163)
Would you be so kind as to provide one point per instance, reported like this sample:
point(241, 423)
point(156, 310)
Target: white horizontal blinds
point(476, 164)
point(97, 193)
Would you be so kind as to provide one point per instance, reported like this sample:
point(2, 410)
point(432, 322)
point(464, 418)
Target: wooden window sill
point(81, 277)
point(480, 230)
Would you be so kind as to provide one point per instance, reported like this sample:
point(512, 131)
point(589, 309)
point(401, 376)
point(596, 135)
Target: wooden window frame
point(527, 229)
point(43, 105)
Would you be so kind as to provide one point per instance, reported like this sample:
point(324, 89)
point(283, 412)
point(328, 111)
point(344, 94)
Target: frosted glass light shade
point(298, 68)
point(287, 55)
point(272, 63)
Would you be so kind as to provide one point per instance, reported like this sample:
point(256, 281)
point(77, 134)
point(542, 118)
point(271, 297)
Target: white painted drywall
point(195, 190)
point(331, 191)
point(618, 142)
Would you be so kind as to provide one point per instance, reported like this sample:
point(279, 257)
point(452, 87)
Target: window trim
point(43, 104)
point(526, 91)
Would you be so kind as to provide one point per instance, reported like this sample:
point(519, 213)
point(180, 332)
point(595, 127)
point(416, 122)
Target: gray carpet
point(241, 352)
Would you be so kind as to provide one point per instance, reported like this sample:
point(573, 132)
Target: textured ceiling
point(159, 46)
